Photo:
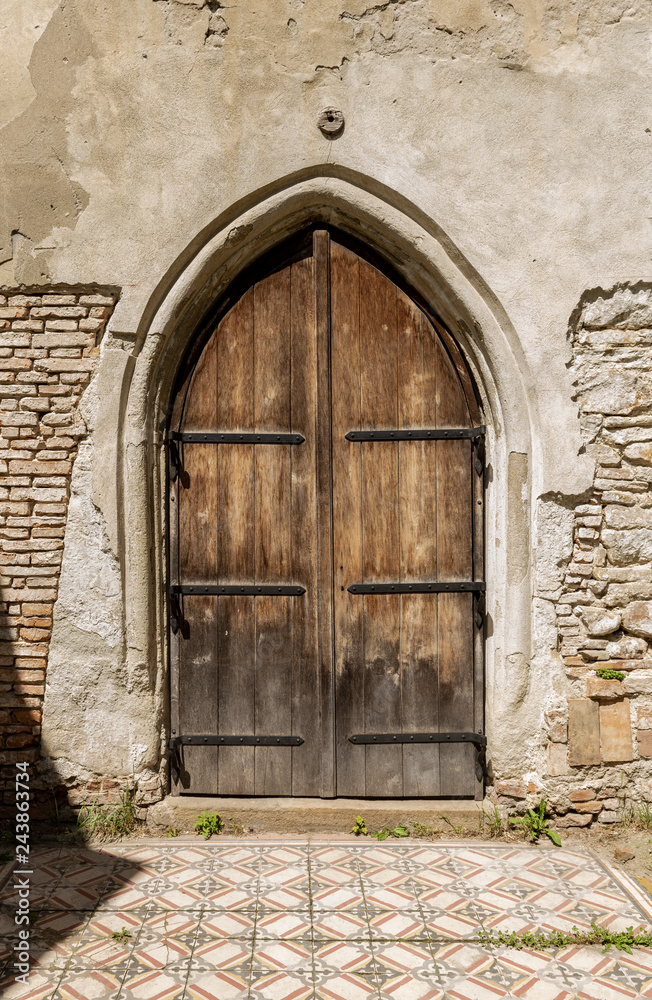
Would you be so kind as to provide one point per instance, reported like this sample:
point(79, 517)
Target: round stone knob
point(331, 121)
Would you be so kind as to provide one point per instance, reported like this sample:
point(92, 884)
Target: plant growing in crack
point(534, 823)
point(208, 824)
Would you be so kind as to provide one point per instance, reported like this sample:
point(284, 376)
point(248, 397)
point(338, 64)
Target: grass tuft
point(539, 941)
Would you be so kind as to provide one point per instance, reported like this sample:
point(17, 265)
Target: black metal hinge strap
point(419, 434)
point(477, 739)
point(235, 741)
point(235, 437)
point(251, 589)
point(417, 588)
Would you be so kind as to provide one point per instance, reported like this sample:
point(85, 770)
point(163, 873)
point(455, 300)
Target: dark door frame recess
point(296, 248)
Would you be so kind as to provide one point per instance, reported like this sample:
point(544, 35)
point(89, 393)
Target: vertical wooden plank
point(347, 518)
point(272, 547)
point(321, 253)
point(418, 548)
point(380, 542)
point(454, 546)
point(236, 638)
point(198, 678)
point(478, 630)
point(306, 675)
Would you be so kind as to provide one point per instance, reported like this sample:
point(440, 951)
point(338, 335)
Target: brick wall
point(48, 352)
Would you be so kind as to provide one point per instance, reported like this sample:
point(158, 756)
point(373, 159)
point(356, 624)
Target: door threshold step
point(310, 815)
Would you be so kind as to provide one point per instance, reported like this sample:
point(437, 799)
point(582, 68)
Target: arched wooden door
point(326, 544)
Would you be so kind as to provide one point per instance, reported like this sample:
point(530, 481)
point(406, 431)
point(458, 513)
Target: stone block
point(637, 619)
point(589, 807)
point(627, 648)
point(608, 817)
point(583, 732)
point(616, 732)
point(581, 795)
point(638, 682)
point(603, 690)
point(574, 819)
point(511, 789)
point(558, 759)
point(644, 742)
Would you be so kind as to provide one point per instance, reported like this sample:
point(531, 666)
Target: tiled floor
point(335, 921)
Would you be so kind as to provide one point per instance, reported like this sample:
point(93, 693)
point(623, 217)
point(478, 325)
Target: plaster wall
point(497, 152)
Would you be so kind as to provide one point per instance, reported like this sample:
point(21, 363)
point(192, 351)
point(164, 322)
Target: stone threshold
point(310, 815)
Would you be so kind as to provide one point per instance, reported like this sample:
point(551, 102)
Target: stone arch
point(437, 271)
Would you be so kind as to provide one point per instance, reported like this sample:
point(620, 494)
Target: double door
point(325, 544)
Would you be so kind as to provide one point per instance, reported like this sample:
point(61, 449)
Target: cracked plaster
point(518, 133)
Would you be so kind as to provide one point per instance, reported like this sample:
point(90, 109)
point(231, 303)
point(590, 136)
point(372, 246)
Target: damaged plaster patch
point(186, 21)
point(21, 26)
point(90, 592)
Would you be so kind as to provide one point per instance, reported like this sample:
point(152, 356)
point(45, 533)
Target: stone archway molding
point(147, 345)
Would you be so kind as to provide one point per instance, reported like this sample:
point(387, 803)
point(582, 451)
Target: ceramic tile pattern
point(256, 920)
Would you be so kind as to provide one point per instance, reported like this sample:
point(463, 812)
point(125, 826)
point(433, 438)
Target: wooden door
point(270, 690)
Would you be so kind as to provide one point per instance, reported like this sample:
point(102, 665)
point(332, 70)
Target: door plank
point(380, 538)
point(235, 530)
point(306, 674)
point(454, 533)
point(417, 392)
point(197, 492)
point(273, 534)
point(347, 518)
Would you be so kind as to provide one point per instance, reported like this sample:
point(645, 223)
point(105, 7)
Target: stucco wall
point(498, 151)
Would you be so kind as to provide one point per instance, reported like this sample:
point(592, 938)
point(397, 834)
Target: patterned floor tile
point(41, 986)
point(293, 921)
point(95, 945)
point(281, 924)
point(398, 899)
point(341, 925)
point(220, 924)
point(91, 984)
point(346, 897)
point(407, 988)
point(216, 986)
point(282, 986)
point(345, 986)
point(291, 955)
point(224, 954)
point(411, 957)
point(344, 956)
point(166, 984)
point(403, 926)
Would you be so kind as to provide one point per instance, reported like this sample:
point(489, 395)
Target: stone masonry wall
point(598, 732)
point(49, 347)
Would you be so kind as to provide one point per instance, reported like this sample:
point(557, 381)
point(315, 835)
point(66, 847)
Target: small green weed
point(623, 940)
point(108, 822)
point(172, 832)
point(607, 674)
point(637, 815)
point(397, 831)
point(360, 828)
point(492, 820)
point(423, 831)
point(534, 824)
point(208, 824)
point(122, 936)
point(237, 829)
point(459, 829)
